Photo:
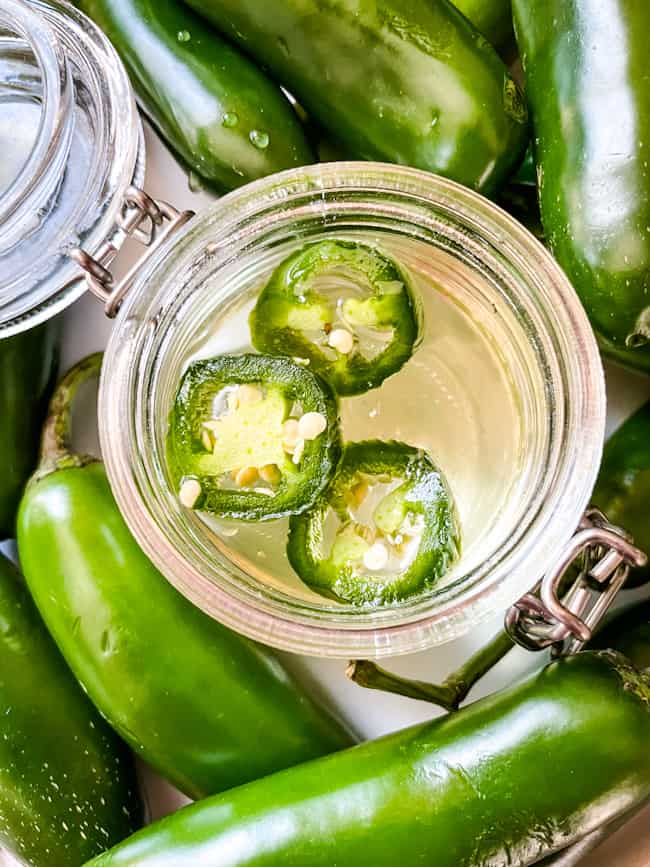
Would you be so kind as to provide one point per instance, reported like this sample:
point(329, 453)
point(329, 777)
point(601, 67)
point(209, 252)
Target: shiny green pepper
point(470, 788)
point(397, 531)
point(401, 81)
point(206, 708)
point(345, 307)
point(225, 119)
point(68, 788)
point(586, 83)
point(240, 441)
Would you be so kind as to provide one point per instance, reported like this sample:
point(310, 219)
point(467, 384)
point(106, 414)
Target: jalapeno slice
point(385, 529)
point(343, 305)
point(253, 437)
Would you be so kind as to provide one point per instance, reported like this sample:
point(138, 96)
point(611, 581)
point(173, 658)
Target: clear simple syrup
point(454, 398)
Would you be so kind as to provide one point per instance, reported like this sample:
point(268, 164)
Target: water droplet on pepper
point(195, 182)
point(260, 139)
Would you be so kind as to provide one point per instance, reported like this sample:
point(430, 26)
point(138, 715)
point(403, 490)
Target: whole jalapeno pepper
point(28, 368)
point(204, 707)
point(252, 437)
point(397, 530)
point(401, 81)
point(68, 788)
point(590, 107)
point(343, 306)
point(225, 119)
point(470, 788)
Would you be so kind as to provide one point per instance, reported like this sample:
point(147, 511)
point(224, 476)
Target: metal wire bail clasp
point(564, 608)
point(151, 222)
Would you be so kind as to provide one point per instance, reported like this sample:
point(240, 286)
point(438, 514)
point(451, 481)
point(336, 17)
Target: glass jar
point(71, 146)
point(511, 296)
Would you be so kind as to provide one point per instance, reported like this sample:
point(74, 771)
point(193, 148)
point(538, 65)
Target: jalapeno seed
point(311, 425)
point(376, 557)
point(246, 477)
point(290, 435)
point(341, 340)
point(270, 473)
point(207, 441)
point(189, 493)
point(298, 451)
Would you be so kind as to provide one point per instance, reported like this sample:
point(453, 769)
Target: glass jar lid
point(72, 145)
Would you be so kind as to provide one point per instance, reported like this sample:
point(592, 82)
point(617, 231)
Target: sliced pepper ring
point(343, 305)
point(252, 437)
point(385, 529)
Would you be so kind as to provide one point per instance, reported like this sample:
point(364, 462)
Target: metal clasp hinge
point(149, 221)
point(564, 608)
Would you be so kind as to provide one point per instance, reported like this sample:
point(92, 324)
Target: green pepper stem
point(449, 694)
point(56, 444)
point(368, 674)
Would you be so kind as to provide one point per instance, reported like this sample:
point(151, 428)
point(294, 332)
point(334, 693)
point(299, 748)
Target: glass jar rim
point(582, 417)
point(67, 48)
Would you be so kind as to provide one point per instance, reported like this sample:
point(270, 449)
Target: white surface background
point(372, 713)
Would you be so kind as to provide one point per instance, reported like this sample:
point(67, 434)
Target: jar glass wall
point(513, 407)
